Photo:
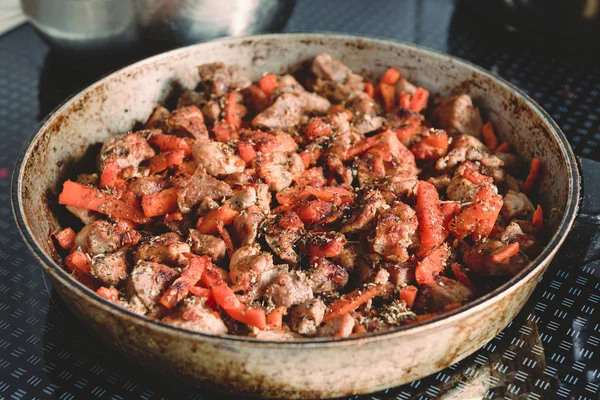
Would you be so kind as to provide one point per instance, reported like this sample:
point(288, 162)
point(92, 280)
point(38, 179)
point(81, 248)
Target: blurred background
point(50, 49)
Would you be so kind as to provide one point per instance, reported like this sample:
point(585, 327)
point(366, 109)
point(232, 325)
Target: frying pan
point(314, 368)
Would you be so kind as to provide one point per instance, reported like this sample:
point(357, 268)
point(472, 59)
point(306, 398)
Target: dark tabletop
point(552, 349)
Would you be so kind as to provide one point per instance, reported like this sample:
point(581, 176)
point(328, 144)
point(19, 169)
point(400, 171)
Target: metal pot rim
point(571, 207)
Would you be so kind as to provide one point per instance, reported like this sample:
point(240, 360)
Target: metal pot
point(301, 368)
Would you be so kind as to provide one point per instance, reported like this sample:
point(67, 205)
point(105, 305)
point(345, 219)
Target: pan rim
point(505, 289)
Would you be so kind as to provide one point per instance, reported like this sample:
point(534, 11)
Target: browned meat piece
point(245, 226)
point(219, 159)
point(98, 237)
point(395, 232)
point(380, 277)
point(367, 123)
point(461, 189)
point(127, 150)
point(149, 279)
point(458, 115)
point(263, 197)
point(211, 111)
point(337, 170)
point(405, 86)
point(251, 270)
point(110, 268)
point(285, 113)
point(166, 248)
point(278, 170)
point(147, 185)
point(287, 84)
point(514, 233)
point(187, 121)
point(134, 304)
point(516, 205)
point(365, 212)
point(402, 185)
point(513, 183)
point(327, 68)
point(307, 316)
point(288, 289)
point(464, 148)
point(366, 109)
point(209, 245)
point(479, 259)
point(242, 198)
point(215, 77)
point(364, 104)
point(277, 141)
point(277, 335)
point(190, 98)
point(348, 256)
point(199, 187)
point(401, 273)
point(370, 168)
point(338, 327)
point(282, 240)
point(157, 118)
point(440, 182)
point(313, 103)
point(438, 295)
point(239, 77)
point(325, 276)
point(86, 216)
point(194, 315)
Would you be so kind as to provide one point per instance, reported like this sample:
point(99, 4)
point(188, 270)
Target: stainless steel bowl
point(100, 27)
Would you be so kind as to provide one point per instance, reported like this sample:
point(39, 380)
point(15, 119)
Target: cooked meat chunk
point(395, 232)
point(287, 84)
point(215, 77)
point(367, 123)
point(98, 237)
point(282, 239)
point(365, 213)
point(246, 226)
point(465, 148)
point(149, 280)
point(516, 205)
point(127, 150)
point(242, 198)
point(400, 273)
point(190, 98)
point(438, 295)
point(157, 118)
point(211, 111)
point(325, 67)
point(166, 248)
point(251, 270)
point(313, 103)
point(187, 121)
point(335, 80)
point(457, 114)
point(110, 268)
point(461, 189)
point(307, 316)
point(325, 276)
point(147, 185)
point(366, 119)
point(199, 187)
point(219, 159)
point(284, 113)
point(479, 259)
point(405, 86)
point(193, 314)
point(209, 245)
point(86, 216)
point(338, 327)
point(289, 288)
point(278, 170)
point(348, 256)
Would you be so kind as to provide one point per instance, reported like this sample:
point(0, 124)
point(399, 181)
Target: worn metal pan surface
point(307, 368)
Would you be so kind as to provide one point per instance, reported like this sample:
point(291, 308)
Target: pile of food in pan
point(314, 205)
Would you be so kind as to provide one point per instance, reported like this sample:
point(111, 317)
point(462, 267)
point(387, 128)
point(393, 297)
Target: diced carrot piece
point(76, 194)
point(431, 266)
point(227, 299)
point(489, 136)
point(478, 218)
point(405, 132)
point(224, 132)
point(290, 220)
point(471, 172)
point(337, 109)
point(449, 210)
point(267, 83)
point(533, 174)
point(79, 261)
point(503, 148)
point(208, 223)
point(335, 195)
point(109, 177)
point(315, 211)
point(461, 276)
point(370, 89)
point(160, 203)
point(538, 218)
point(275, 318)
point(351, 301)
point(110, 294)
point(247, 152)
point(174, 216)
point(188, 278)
point(214, 276)
point(170, 143)
point(65, 238)
point(316, 128)
point(326, 246)
point(430, 218)
point(507, 252)
point(165, 160)
point(431, 147)
point(310, 156)
point(231, 111)
point(409, 294)
point(131, 238)
point(391, 76)
point(388, 94)
point(199, 291)
point(419, 100)
point(404, 100)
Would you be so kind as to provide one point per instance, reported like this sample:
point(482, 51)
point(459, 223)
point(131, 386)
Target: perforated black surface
point(551, 350)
